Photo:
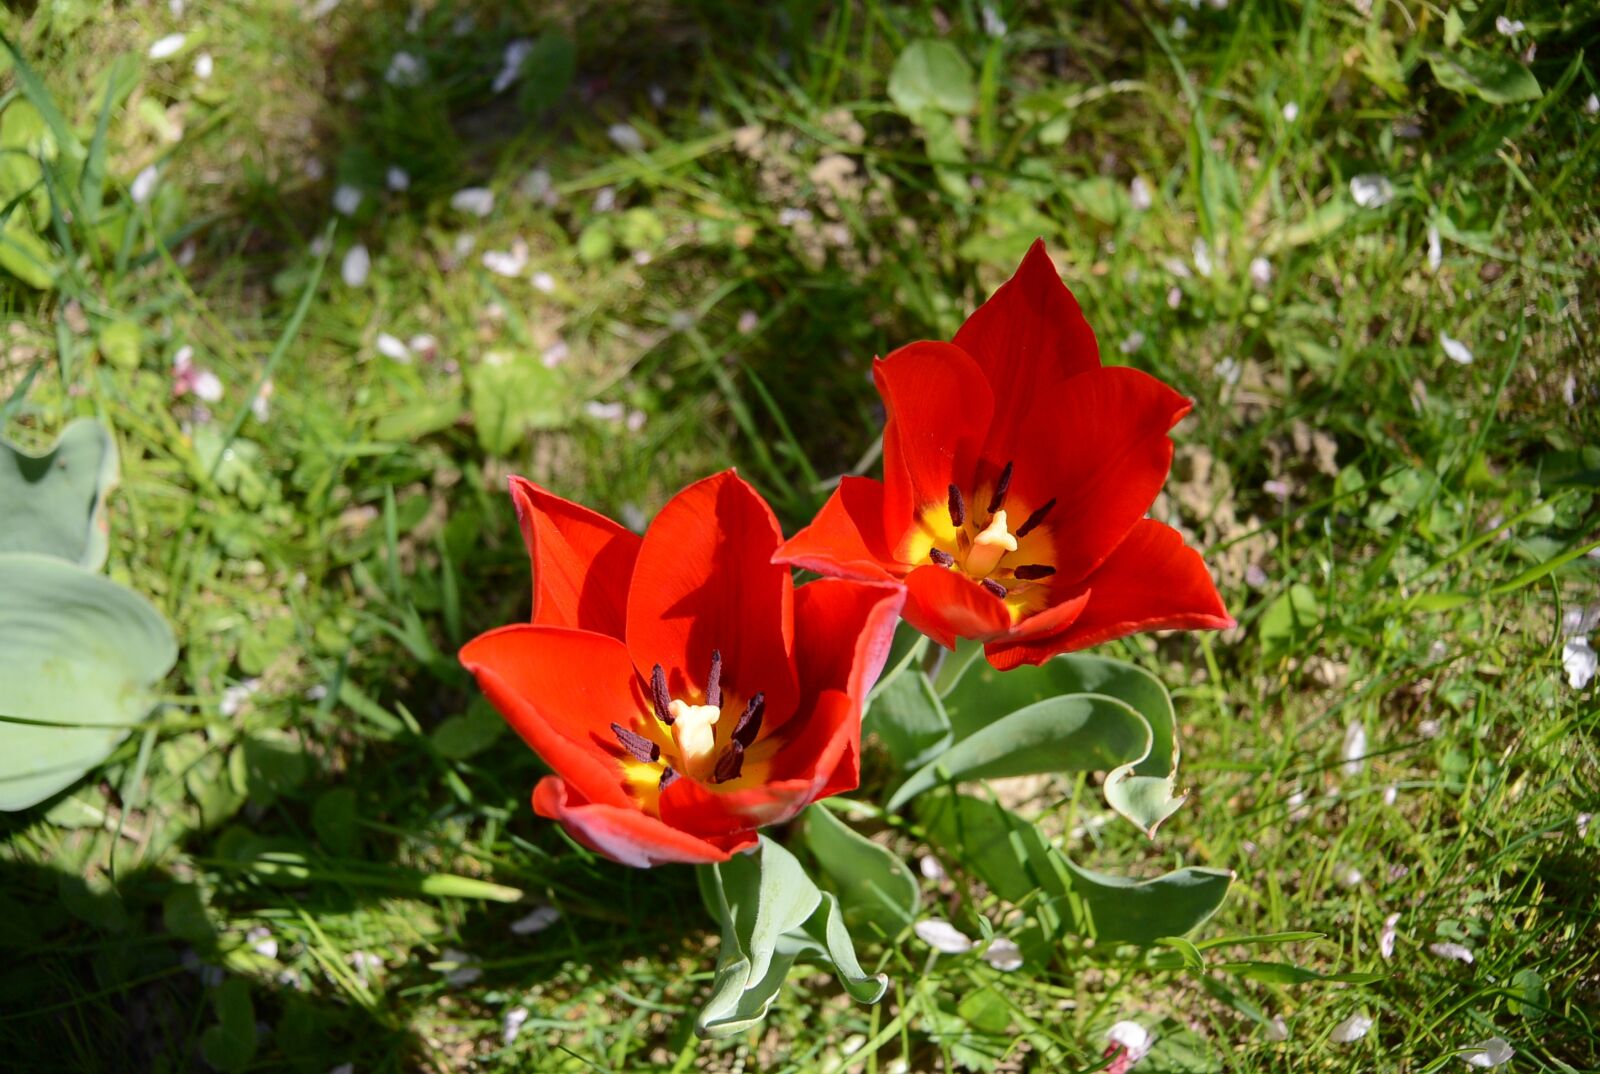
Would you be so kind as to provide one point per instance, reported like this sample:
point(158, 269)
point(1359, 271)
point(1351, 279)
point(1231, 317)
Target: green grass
point(335, 554)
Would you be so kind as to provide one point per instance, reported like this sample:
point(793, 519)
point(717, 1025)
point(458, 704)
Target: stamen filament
point(994, 587)
point(1030, 571)
point(714, 680)
point(1000, 489)
point(641, 748)
point(1035, 518)
point(659, 696)
point(958, 508)
point(730, 764)
point(749, 725)
point(669, 776)
point(941, 557)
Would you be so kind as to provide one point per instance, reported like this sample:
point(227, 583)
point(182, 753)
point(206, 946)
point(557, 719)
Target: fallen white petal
point(1132, 1036)
point(404, 69)
point(261, 942)
point(1140, 195)
point(749, 321)
point(1508, 27)
point(539, 919)
point(517, 51)
point(625, 137)
point(1454, 349)
point(144, 185)
point(509, 263)
point(512, 1025)
point(1581, 822)
point(393, 349)
point(636, 420)
point(1003, 955)
point(346, 199)
point(1453, 951)
point(261, 405)
point(1592, 104)
point(1435, 251)
point(1291, 112)
point(943, 936)
point(397, 178)
point(204, 65)
point(1278, 1029)
point(1487, 1053)
point(1202, 257)
point(1390, 794)
point(1132, 342)
point(543, 281)
point(357, 263)
point(474, 200)
point(167, 46)
point(1351, 1029)
point(605, 199)
point(930, 867)
point(1371, 191)
point(604, 411)
point(993, 24)
point(1387, 935)
point(208, 386)
point(234, 697)
point(1261, 273)
point(555, 354)
point(1355, 748)
point(1579, 661)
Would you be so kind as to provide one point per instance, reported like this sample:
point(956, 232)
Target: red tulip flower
point(683, 690)
point(1017, 474)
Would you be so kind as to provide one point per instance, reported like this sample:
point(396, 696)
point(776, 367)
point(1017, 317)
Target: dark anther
point(749, 725)
point(668, 776)
point(958, 508)
point(714, 680)
point(995, 587)
point(942, 558)
point(1031, 571)
point(1000, 489)
point(659, 695)
point(730, 764)
point(1035, 518)
point(636, 744)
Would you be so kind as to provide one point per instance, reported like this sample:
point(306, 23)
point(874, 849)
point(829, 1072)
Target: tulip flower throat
point(675, 739)
point(1011, 564)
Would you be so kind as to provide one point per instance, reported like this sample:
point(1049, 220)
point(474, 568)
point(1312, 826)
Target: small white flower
point(204, 65)
point(537, 185)
point(599, 411)
point(1003, 954)
point(1276, 488)
point(1371, 191)
point(1228, 370)
point(1278, 1029)
point(1453, 951)
point(1390, 794)
point(1351, 1029)
point(555, 354)
point(605, 199)
point(749, 321)
point(942, 936)
point(474, 200)
point(405, 69)
point(357, 263)
point(931, 868)
point(346, 199)
point(144, 185)
point(261, 405)
point(1579, 661)
point(636, 420)
point(1174, 297)
point(1131, 342)
point(1435, 252)
point(365, 962)
point(511, 62)
point(1140, 196)
point(1180, 28)
point(234, 697)
point(512, 1025)
point(1454, 349)
point(544, 282)
point(1291, 112)
point(1202, 257)
point(261, 942)
point(1429, 728)
point(1176, 268)
point(1386, 936)
point(1487, 1053)
point(167, 46)
point(993, 24)
point(393, 349)
point(1355, 748)
point(397, 178)
point(510, 263)
point(1581, 822)
point(1508, 27)
point(626, 137)
point(537, 920)
point(462, 971)
point(1131, 1040)
point(1260, 273)
point(207, 386)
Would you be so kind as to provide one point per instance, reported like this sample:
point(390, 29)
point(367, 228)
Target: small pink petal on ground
point(511, 1025)
point(473, 200)
point(942, 936)
point(1127, 1043)
point(1386, 937)
point(356, 265)
point(166, 47)
point(1453, 951)
point(1351, 1029)
point(1003, 954)
point(536, 921)
point(1487, 1054)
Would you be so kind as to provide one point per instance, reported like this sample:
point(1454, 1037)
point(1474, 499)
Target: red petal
point(581, 561)
point(626, 835)
point(560, 690)
point(719, 815)
point(1035, 638)
point(843, 630)
point(946, 605)
point(846, 538)
point(1153, 581)
point(1030, 333)
point(1097, 443)
point(939, 407)
point(705, 580)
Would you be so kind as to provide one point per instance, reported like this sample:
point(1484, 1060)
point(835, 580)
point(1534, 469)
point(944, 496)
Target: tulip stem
point(933, 660)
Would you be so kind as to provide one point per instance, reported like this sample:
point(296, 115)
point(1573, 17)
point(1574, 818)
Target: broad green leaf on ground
point(1287, 620)
point(826, 938)
point(75, 649)
point(908, 718)
point(1489, 76)
point(511, 396)
point(230, 1045)
point(54, 504)
point(875, 888)
point(1014, 859)
point(25, 255)
point(932, 74)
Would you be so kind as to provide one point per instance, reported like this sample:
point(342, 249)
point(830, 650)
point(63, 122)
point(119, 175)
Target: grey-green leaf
point(1488, 76)
point(875, 887)
point(75, 649)
point(826, 936)
point(53, 504)
point(932, 74)
point(908, 718)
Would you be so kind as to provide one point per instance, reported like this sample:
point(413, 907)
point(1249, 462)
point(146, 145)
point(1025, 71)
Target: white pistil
point(694, 726)
point(989, 546)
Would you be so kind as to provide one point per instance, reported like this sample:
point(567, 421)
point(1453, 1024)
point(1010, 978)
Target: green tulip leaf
point(932, 75)
point(79, 656)
point(1014, 859)
point(1141, 788)
point(230, 1045)
point(54, 504)
point(1489, 76)
point(909, 720)
point(826, 938)
point(875, 888)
